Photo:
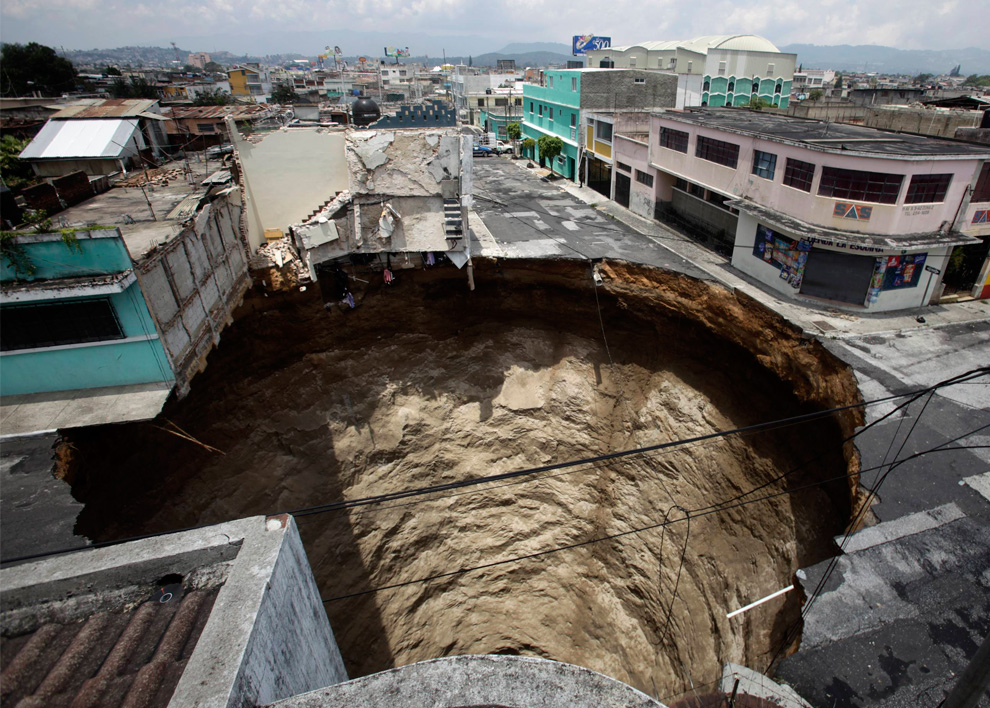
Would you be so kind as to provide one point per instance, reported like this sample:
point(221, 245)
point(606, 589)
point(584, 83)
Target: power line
point(693, 515)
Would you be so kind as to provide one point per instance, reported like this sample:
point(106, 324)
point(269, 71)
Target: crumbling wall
point(192, 285)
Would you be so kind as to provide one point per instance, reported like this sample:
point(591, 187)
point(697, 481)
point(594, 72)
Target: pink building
point(862, 218)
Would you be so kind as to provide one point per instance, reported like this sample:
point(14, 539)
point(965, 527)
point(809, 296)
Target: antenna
point(176, 48)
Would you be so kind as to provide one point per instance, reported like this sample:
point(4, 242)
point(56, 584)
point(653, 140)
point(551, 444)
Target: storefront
point(859, 271)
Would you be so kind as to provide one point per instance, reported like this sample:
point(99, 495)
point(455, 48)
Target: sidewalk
point(820, 320)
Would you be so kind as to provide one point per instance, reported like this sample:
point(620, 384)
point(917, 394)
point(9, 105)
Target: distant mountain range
point(861, 58)
point(888, 60)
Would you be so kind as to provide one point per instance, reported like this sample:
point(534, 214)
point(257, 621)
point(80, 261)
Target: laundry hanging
point(429, 259)
point(387, 274)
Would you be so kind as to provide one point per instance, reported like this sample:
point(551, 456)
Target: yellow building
point(249, 80)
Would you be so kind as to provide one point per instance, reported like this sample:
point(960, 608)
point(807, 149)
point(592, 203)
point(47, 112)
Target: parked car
point(482, 151)
point(220, 151)
point(503, 148)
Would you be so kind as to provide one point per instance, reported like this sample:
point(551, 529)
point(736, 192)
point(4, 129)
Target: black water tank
point(365, 111)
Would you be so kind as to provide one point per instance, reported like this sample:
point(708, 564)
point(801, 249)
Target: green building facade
point(555, 109)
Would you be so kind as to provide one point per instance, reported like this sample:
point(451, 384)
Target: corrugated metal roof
point(235, 112)
point(106, 108)
point(80, 138)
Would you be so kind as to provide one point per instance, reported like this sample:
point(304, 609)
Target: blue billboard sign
point(584, 42)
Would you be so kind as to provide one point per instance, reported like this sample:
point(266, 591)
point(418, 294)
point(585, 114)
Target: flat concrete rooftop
point(828, 137)
point(174, 196)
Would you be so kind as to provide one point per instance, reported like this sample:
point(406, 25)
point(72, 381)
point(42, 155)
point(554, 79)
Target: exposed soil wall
point(426, 382)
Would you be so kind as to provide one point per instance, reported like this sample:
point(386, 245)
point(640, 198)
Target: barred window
point(925, 189)
point(674, 139)
point(799, 174)
point(861, 186)
point(717, 151)
point(764, 164)
point(644, 178)
point(55, 324)
point(982, 191)
point(623, 166)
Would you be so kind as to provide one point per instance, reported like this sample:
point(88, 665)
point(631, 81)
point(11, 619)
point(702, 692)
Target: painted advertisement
point(396, 51)
point(903, 271)
point(789, 256)
point(582, 43)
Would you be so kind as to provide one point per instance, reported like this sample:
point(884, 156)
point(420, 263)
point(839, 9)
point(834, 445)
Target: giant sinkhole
point(426, 383)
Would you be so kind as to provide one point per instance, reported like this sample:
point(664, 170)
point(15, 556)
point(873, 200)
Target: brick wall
point(42, 196)
point(73, 188)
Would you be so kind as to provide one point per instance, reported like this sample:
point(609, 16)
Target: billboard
point(396, 51)
point(583, 42)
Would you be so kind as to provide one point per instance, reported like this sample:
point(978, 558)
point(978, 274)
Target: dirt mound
point(426, 383)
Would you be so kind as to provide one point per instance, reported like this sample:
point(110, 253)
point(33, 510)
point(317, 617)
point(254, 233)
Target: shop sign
point(858, 212)
point(981, 217)
point(917, 210)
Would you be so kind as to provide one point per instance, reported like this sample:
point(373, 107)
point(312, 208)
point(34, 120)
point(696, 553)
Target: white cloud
point(907, 24)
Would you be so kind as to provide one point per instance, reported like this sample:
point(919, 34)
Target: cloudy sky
point(477, 26)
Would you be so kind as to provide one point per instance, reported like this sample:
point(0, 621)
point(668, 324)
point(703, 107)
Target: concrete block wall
point(42, 196)
point(73, 188)
point(617, 90)
point(192, 285)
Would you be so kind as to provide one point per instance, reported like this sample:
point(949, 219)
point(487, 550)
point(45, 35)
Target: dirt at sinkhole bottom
point(426, 383)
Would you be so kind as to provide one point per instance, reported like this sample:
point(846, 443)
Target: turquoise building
point(555, 109)
point(720, 91)
point(73, 316)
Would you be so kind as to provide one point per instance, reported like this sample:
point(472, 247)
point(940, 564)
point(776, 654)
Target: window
point(541, 110)
point(530, 106)
point(517, 101)
point(623, 166)
point(603, 131)
point(717, 151)
point(925, 189)
point(799, 174)
point(551, 112)
point(55, 324)
point(574, 84)
point(731, 87)
point(673, 63)
point(777, 89)
point(681, 183)
point(862, 186)
point(205, 128)
point(549, 82)
point(690, 66)
point(481, 103)
point(573, 120)
point(707, 86)
point(764, 164)
point(674, 139)
point(721, 68)
point(639, 81)
point(982, 191)
point(644, 178)
point(769, 69)
point(696, 190)
point(501, 102)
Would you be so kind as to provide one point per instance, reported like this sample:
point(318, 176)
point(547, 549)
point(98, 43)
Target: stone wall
point(193, 283)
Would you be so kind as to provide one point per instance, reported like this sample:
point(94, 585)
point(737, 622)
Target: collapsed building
point(323, 197)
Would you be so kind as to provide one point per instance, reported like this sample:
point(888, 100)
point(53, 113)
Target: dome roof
point(747, 43)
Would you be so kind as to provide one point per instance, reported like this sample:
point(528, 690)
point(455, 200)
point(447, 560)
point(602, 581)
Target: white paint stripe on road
point(751, 605)
point(979, 482)
point(522, 214)
point(570, 226)
point(541, 225)
point(904, 526)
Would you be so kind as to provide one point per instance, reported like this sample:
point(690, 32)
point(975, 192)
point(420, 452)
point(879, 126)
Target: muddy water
point(425, 383)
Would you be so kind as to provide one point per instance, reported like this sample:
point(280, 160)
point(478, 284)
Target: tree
point(111, 71)
point(14, 171)
point(977, 80)
point(514, 131)
point(549, 147)
point(27, 68)
point(284, 93)
point(758, 103)
point(190, 69)
point(922, 79)
point(816, 95)
point(213, 98)
point(213, 68)
point(137, 87)
point(837, 81)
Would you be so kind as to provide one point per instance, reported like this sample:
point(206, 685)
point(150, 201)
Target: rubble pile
point(157, 177)
point(281, 258)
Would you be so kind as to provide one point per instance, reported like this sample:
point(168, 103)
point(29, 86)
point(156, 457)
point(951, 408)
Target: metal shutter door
point(838, 276)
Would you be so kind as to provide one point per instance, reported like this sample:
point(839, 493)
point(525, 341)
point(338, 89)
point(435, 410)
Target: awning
point(62, 288)
point(821, 234)
point(67, 139)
